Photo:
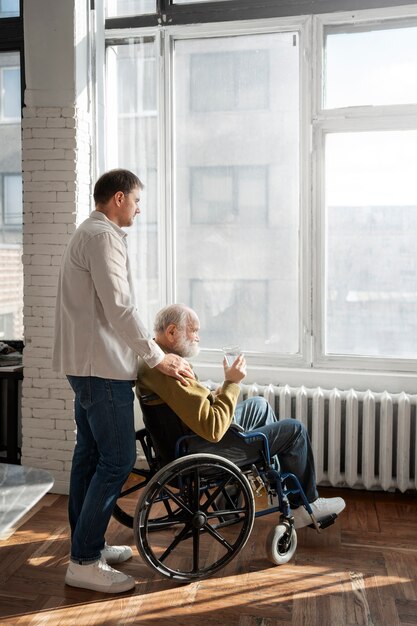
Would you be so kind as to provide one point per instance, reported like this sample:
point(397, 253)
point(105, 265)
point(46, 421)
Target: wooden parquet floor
point(361, 571)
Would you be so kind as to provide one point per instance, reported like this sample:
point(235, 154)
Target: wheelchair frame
point(201, 498)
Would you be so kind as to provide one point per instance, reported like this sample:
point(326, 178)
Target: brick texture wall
point(57, 194)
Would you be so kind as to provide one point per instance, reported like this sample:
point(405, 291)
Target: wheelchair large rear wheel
point(193, 517)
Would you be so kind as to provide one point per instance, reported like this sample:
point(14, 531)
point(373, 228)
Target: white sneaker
point(116, 554)
point(321, 508)
point(98, 576)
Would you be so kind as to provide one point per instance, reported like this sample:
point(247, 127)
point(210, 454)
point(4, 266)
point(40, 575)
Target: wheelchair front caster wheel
point(281, 544)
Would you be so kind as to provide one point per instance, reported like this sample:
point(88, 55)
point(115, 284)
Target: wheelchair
point(195, 513)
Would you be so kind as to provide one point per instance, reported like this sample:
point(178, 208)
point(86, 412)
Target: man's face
point(187, 341)
point(129, 207)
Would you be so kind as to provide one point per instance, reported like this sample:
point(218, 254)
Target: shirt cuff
point(155, 358)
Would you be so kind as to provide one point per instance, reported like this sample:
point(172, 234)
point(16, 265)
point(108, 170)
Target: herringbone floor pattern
point(361, 571)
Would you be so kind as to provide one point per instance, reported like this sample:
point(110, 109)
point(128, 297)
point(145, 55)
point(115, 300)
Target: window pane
point(10, 82)
point(120, 8)
point(243, 200)
point(11, 269)
point(13, 200)
point(371, 230)
point(132, 144)
point(374, 67)
point(242, 75)
point(237, 194)
point(226, 327)
point(9, 8)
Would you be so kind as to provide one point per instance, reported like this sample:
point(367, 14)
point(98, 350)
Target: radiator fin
point(360, 439)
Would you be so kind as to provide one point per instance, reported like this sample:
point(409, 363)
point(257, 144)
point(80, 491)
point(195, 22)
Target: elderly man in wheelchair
point(213, 453)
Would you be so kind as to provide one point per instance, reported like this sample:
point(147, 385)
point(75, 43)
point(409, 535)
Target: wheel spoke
point(171, 495)
point(217, 536)
point(196, 488)
point(181, 535)
point(163, 524)
point(196, 549)
point(212, 497)
point(126, 492)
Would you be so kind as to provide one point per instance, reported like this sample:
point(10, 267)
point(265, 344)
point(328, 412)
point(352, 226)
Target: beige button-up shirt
point(97, 329)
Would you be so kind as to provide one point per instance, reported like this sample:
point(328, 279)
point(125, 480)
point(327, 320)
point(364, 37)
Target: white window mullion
point(306, 218)
point(166, 233)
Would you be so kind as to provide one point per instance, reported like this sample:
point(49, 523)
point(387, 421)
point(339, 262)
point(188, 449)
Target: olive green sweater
point(206, 414)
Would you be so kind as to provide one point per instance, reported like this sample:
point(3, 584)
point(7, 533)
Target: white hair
point(177, 314)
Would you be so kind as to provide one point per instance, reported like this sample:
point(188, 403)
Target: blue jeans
point(288, 441)
point(104, 454)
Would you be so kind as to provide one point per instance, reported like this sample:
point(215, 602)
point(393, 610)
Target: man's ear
point(171, 332)
point(118, 197)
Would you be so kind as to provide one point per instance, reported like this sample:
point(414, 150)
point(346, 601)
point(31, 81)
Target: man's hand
point(177, 367)
point(237, 371)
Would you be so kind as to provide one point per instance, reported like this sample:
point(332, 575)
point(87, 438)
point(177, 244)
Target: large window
point(11, 205)
point(369, 201)
point(279, 157)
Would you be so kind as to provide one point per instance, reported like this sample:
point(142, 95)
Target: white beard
point(187, 349)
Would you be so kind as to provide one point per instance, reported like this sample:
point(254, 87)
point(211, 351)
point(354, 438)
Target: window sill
point(361, 380)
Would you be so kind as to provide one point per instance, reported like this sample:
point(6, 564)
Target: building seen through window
point(11, 270)
point(9, 8)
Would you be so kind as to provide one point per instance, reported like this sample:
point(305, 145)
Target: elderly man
point(209, 415)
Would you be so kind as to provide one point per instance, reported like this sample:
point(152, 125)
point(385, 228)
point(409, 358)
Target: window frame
point(302, 26)
point(338, 120)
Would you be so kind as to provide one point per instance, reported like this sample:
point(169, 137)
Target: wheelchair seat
point(172, 438)
point(164, 427)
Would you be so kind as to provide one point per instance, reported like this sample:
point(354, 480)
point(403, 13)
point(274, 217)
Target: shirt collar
point(98, 215)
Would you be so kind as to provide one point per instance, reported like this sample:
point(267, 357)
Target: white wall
point(56, 142)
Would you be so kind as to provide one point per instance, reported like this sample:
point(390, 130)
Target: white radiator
point(360, 439)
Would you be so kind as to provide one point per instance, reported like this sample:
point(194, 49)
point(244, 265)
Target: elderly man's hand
point(177, 367)
point(237, 371)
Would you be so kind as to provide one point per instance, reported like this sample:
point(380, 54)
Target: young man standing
point(98, 337)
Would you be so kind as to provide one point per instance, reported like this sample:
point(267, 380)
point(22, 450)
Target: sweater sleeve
point(206, 416)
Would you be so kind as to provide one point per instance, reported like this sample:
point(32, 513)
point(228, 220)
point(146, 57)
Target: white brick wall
point(57, 194)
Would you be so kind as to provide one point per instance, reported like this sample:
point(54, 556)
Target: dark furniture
point(10, 423)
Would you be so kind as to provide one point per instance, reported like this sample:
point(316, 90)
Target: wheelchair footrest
point(325, 522)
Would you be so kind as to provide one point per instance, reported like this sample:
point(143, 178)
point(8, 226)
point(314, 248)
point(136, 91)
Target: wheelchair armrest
point(256, 436)
point(181, 444)
point(236, 427)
